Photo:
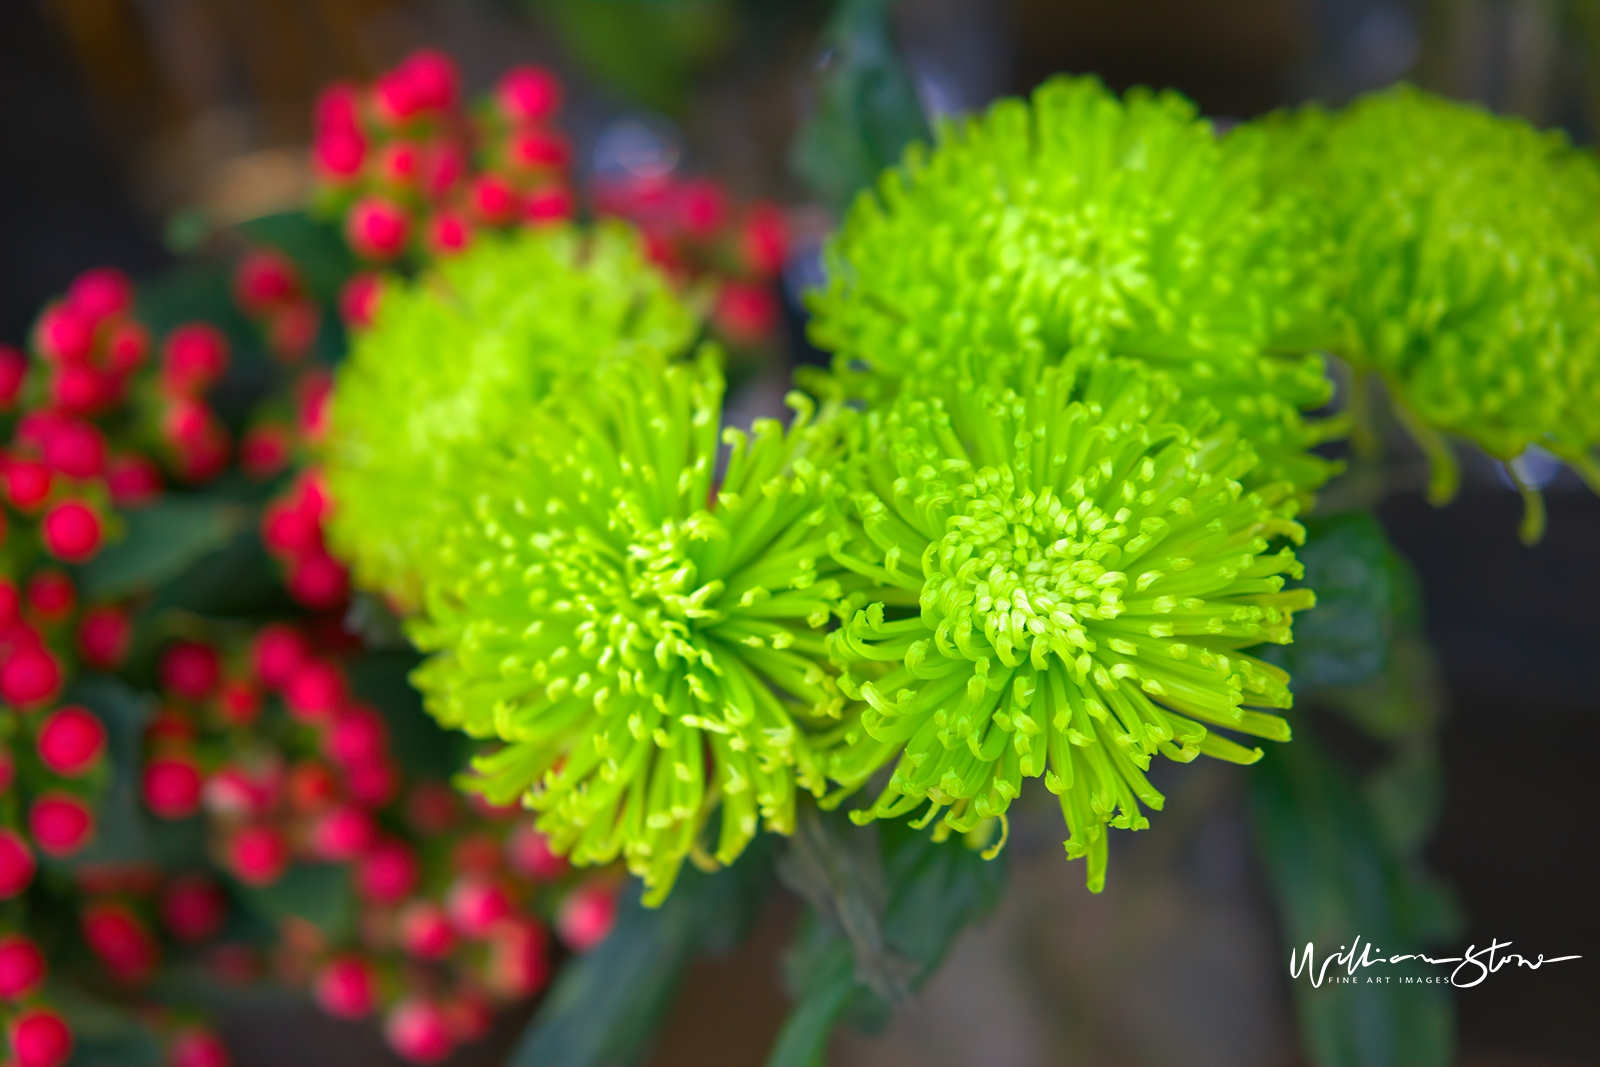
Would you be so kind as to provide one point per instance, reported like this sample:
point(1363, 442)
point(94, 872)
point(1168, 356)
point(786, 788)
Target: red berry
point(185, 422)
point(170, 724)
point(193, 908)
point(311, 787)
point(278, 653)
point(264, 279)
point(586, 917)
point(133, 480)
point(71, 741)
point(76, 449)
point(702, 208)
point(289, 528)
point(493, 200)
point(104, 634)
point(528, 853)
point(313, 393)
point(418, 1031)
point(476, 905)
point(377, 229)
point(528, 94)
point(10, 601)
point(264, 450)
point(358, 300)
point(236, 792)
point(343, 834)
point(538, 149)
point(13, 371)
point(397, 164)
point(76, 389)
point(100, 293)
point(357, 735)
point(71, 531)
point(258, 855)
point(764, 240)
point(317, 691)
point(17, 864)
point(387, 873)
point(191, 670)
point(434, 79)
point(372, 784)
point(518, 964)
point(60, 823)
point(338, 153)
point(198, 1048)
point(431, 808)
point(440, 169)
point(292, 331)
point(121, 940)
point(208, 457)
point(29, 676)
point(127, 347)
point(51, 595)
point(27, 483)
point(338, 106)
point(318, 581)
point(22, 967)
point(746, 313)
point(172, 786)
point(39, 1038)
point(64, 335)
point(194, 357)
point(469, 1014)
point(550, 205)
point(347, 988)
point(425, 931)
point(239, 701)
point(448, 233)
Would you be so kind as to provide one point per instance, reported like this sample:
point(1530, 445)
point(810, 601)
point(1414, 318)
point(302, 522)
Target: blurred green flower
point(1459, 259)
point(456, 359)
point(1065, 575)
point(648, 643)
point(1078, 220)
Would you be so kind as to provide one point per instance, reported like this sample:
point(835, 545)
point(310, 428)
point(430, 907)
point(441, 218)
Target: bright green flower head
point(457, 358)
point(1461, 261)
point(1076, 220)
point(1066, 575)
point(651, 649)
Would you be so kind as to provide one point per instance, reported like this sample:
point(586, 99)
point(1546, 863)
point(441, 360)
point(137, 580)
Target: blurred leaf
point(163, 540)
point(866, 106)
point(1334, 877)
point(934, 892)
point(120, 832)
point(318, 893)
point(649, 52)
point(238, 578)
point(607, 1004)
point(104, 1034)
point(423, 748)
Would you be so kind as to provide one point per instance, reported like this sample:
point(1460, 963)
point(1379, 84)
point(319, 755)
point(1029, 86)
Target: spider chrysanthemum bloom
point(1067, 574)
point(1460, 253)
point(650, 649)
point(1077, 220)
point(457, 358)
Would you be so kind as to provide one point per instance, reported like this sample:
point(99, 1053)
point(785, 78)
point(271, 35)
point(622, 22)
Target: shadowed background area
point(129, 126)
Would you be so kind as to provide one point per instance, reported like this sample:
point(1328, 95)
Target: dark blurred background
point(125, 125)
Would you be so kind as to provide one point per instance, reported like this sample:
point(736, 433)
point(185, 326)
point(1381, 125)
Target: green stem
point(1445, 477)
point(1532, 529)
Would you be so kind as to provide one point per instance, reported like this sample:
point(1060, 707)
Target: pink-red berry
point(39, 1038)
point(71, 531)
point(60, 823)
point(347, 988)
point(191, 670)
point(71, 741)
point(528, 94)
point(17, 865)
point(173, 786)
point(258, 855)
point(22, 966)
point(418, 1030)
point(193, 908)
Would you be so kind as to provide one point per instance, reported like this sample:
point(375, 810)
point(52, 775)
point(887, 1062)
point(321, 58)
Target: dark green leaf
point(318, 893)
point(238, 578)
point(105, 1035)
point(423, 748)
point(120, 835)
point(607, 1004)
point(162, 541)
point(866, 106)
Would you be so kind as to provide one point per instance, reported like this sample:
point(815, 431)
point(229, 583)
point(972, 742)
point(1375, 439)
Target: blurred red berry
point(338, 152)
point(518, 964)
point(528, 853)
point(764, 240)
point(313, 392)
point(492, 200)
point(193, 358)
point(29, 676)
point(476, 905)
point(448, 233)
point(27, 483)
point(372, 784)
point(347, 988)
point(71, 741)
point(387, 874)
point(76, 449)
point(425, 930)
point(39, 1038)
point(318, 581)
point(104, 634)
point(193, 908)
point(258, 855)
point(746, 313)
point(191, 670)
point(377, 229)
point(538, 149)
point(13, 371)
point(435, 82)
point(358, 300)
point(277, 654)
point(441, 168)
point(170, 724)
point(133, 480)
point(237, 792)
point(396, 165)
point(22, 966)
point(357, 735)
point(76, 390)
point(172, 786)
point(10, 601)
point(586, 916)
point(60, 824)
point(310, 787)
point(288, 528)
point(51, 595)
point(264, 279)
point(343, 834)
point(239, 701)
point(71, 531)
point(469, 1014)
point(17, 865)
point(208, 457)
point(418, 1030)
point(100, 293)
point(431, 807)
point(120, 939)
point(127, 347)
point(549, 205)
point(317, 691)
point(528, 94)
point(292, 330)
point(264, 450)
point(338, 106)
point(702, 208)
point(198, 1048)
point(64, 335)
point(477, 854)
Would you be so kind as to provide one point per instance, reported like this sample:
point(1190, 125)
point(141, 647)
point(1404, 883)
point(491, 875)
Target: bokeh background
point(131, 128)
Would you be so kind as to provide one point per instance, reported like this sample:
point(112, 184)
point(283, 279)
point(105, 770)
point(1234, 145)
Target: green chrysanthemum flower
point(457, 359)
point(1460, 254)
point(1077, 221)
point(1066, 575)
point(648, 656)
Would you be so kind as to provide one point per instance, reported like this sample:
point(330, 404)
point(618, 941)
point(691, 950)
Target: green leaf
point(318, 893)
point(105, 1034)
point(422, 746)
point(607, 1004)
point(162, 541)
point(866, 107)
point(1335, 877)
point(120, 827)
point(934, 891)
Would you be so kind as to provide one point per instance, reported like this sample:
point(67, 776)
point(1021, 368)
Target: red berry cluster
point(286, 764)
point(291, 528)
point(410, 171)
